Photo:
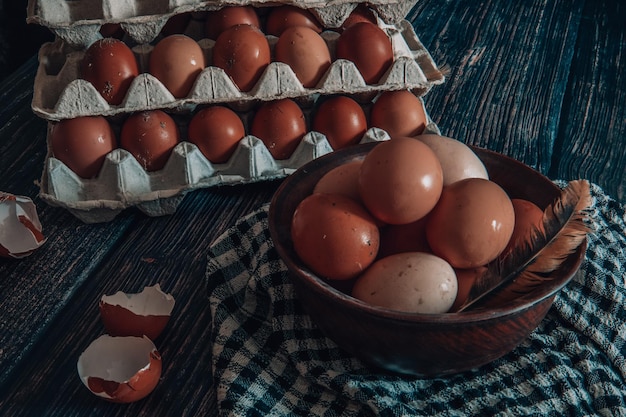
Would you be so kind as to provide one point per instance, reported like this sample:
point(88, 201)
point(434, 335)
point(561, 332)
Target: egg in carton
point(60, 93)
point(123, 182)
point(79, 23)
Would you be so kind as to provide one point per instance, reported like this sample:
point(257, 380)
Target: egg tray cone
point(79, 22)
point(59, 93)
point(123, 183)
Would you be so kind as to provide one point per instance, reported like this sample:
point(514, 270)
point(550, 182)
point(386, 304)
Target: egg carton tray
point(123, 183)
point(59, 93)
point(79, 22)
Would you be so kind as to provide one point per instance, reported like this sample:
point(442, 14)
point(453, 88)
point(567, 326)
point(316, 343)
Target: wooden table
point(539, 80)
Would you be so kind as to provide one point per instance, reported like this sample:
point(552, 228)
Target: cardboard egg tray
point(123, 182)
point(79, 22)
point(59, 93)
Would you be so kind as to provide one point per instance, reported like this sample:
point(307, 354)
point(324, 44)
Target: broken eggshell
point(120, 369)
point(139, 314)
point(20, 229)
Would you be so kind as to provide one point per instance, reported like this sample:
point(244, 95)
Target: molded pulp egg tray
point(78, 22)
point(59, 94)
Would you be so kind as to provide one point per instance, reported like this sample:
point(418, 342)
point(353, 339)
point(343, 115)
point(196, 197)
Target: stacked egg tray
point(79, 22)
point(60, 94)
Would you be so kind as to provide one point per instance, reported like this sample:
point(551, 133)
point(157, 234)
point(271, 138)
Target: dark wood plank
point(593, 127)
point(34, 289)
point(23, 145)
point(171, 251)
point(509, 65)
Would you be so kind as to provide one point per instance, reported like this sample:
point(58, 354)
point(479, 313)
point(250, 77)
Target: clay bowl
point(417, 344)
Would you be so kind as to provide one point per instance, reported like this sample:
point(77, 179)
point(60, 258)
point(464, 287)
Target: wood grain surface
point(538, 80)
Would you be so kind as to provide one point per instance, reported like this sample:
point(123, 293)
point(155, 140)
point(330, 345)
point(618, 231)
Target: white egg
point(411, 282)
point(458, 161)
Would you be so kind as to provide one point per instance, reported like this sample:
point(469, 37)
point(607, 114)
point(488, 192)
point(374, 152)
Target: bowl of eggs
point(384, 240)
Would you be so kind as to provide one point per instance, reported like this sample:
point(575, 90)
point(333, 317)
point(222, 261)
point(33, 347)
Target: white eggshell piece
point(410, 282)
point(20, 228)
point(116, 359)
point(458, 160)
point(152, 301)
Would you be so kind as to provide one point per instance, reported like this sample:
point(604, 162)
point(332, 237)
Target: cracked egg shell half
point(120, 369)
point(20, 228)
point(136, 314)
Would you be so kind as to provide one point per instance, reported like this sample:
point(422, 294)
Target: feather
point(434, 73)
point(565, 228)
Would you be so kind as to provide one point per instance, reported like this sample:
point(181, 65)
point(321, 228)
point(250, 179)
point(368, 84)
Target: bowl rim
point(517, 306)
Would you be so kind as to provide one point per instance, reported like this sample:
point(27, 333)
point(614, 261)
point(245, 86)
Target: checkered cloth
point(269, 359)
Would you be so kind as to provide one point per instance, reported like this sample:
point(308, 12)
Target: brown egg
point(110, 66)
point(136, 314)
point(334, 235)
point(399, 238)
point(281, 125)
point(343, 180)
point(176, 61)
point(216, 131)
point(401, 180)
point(306, 52)
point(399, 113)
point(176, 24)
point(361, 13)
point(120, 369)
point(368, 47)
point(150, 136)
point(82, 143)
point(243, 52)
point(218, 21)
point(466, 279)
point(528, 221)
point(282, 17)
point(342, 120)
point(471, 224)
point(112, 30)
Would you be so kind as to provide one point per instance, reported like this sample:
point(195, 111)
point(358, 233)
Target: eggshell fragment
point(145, 313)
point(20, 228)
point(120, 369)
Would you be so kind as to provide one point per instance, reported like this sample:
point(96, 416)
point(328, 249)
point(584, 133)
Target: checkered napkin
point(269, 359)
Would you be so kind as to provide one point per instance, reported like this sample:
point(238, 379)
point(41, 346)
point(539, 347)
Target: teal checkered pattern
point(269, 358)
